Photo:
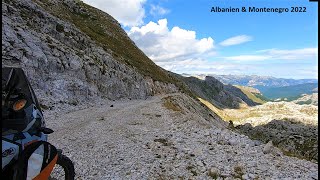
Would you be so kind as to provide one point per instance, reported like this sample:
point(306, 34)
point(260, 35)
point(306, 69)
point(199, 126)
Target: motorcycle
point(26, 152)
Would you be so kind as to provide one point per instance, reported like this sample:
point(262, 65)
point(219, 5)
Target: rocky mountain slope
point(222, 96)
point(252, 93)
point(65, 64)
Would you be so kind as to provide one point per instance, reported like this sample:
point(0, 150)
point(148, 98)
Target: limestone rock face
point(62, 63)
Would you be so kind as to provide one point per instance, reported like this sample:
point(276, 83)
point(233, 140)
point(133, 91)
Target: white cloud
point(278, 54)
point(158, 10)
point(127, 12)
point(236, 40)
point(247, 58)
point(294, 54)
point(245, 64)
point(162, 44)
point(201, 66)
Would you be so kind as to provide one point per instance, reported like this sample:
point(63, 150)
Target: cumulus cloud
point(236, 40)
point(156, 10)
point(162, 44)
point(129, 13)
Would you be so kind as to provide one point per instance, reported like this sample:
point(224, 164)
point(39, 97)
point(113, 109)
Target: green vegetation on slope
point(260, 96)
point(256, 97)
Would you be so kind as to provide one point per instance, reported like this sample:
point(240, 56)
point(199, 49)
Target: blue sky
point(185, 37)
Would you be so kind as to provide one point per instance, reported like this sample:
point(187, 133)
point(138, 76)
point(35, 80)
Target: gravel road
point(142, 139)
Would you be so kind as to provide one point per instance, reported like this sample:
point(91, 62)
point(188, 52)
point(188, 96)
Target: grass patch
point(214, 109)
point(171, 105)
point(255, 97)
point(224, 114)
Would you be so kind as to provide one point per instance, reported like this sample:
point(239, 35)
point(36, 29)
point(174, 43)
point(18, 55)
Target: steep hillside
point(212, 90)
point(106, 32)
point(222, 96)
point(253, 94)
point(72, 53)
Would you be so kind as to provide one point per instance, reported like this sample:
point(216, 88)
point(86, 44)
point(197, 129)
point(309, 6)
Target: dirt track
point(142, 139)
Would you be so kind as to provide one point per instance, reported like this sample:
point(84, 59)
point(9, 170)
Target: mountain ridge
point(254, 80)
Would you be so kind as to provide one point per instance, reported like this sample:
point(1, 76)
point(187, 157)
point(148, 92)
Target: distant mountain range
point(254, 80)
point(270, 87)
point(288, 92)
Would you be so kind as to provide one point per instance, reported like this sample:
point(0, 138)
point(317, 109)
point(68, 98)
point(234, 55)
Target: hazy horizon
point(247, 75)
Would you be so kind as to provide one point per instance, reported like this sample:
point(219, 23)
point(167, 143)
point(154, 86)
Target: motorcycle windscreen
point(14, 79)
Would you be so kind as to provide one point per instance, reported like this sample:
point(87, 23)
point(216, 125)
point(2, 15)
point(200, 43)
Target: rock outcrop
point(292, 137)
point(307, 99)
